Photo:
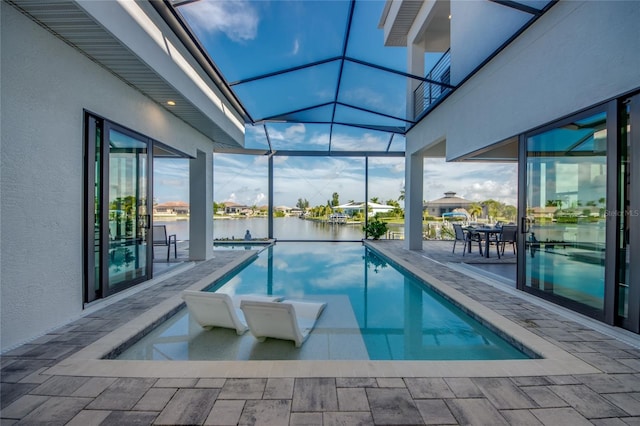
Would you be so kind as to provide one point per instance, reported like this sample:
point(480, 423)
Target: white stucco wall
point(577, 55)
point(45, 86)
point(478, 28)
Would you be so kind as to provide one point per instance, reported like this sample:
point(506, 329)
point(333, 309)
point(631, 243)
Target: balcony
point(436, 86)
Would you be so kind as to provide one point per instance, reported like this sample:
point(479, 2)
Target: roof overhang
point(134, 43)
point(399, 16)
point(505, 151)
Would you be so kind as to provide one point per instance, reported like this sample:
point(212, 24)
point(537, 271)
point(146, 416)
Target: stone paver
point(23, 406)
point(544, 397)
point(56, 410)
point(429, 388)
point(225, 412)
point(306, 419)
point(123, 394)
point(475, 411)
point(60, 385)
point(391, 406)
point(129, 418)
point(89, 418)
point(352, 399)
point(560, 416)
point(270, 412)
point(188, 407)
point(503, 394)
point(311, 394)
point(435, 412)
point(94, 386)
point(587, 402)
point(155, 399)
point(347, 419)
point(279, 388)
point(243, 389)
point(30, 396)
point(520, 417)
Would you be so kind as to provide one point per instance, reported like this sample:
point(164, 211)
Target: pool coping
point(90, 360)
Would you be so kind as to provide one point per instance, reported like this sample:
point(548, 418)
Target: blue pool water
point(374, 311)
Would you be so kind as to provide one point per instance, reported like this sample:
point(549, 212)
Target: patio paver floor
point(29, 395)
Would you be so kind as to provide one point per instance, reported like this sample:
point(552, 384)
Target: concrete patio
point(34, 391)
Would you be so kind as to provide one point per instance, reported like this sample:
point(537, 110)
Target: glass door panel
point(565, 208)
point(128, 257)
point(622, 218)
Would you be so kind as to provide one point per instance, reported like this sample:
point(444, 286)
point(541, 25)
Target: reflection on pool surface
point(373, 312)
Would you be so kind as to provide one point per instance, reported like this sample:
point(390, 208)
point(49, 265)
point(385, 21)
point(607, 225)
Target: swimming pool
point(374, 311)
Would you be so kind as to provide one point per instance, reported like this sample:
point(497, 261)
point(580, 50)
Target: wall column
point(414, 168)
point(415, 66)
point(201, 206)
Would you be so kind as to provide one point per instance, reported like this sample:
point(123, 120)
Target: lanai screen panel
point(308, 192)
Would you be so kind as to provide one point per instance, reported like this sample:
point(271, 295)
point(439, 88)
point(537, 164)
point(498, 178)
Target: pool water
point(374, 311)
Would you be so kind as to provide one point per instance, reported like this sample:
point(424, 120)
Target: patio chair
point(466, 237)
point(219, 309)
point(508, 236)
point(160, 238)
point(287, 320)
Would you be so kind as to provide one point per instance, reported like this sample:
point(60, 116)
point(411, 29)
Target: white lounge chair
point(219, 309)
point(287, 320)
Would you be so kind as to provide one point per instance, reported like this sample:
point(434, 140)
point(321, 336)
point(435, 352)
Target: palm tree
point(474, 210)
point(375, 200)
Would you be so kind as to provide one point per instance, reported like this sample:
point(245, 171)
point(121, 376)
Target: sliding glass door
point(627, 217)
point(118, 249)
point(128, 195)
point(565, 205)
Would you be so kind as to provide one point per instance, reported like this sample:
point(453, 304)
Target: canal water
point(284, 228)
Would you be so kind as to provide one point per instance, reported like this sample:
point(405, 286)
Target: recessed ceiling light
point(172, 103)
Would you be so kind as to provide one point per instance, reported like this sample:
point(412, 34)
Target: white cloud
point(259, 199)
point(296, 47)
point(237, 19)
point(367, 141)
point(366, 96)
point(473, 181)
point(291, 134)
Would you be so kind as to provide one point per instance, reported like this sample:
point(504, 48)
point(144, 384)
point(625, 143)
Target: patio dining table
point(487, 231)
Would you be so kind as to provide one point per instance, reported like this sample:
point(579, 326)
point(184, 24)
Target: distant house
point(234, 208)
point(447, 204)
point(542, 212)
point(354, 207)
point(171, 208)
point(283, 209)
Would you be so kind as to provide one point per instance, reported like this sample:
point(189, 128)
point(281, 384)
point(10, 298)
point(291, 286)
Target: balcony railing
point(438, 85)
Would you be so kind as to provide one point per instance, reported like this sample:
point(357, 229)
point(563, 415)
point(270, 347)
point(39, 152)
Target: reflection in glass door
point(566, 169)
point(128, 213)
point(627, 217)
point(117, 206)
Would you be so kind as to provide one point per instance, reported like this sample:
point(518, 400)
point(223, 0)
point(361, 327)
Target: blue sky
point(249, 38)
point(243, 179)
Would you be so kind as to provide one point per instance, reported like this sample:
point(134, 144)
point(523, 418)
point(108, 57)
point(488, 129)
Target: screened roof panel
point(398, 144)
point(373, 89)
point(366, 41)
point(319, 114)
point(347, 138)
point(255, 137)
point(318, 61)
point(299, 136)
point(251, 38)
point(345, 114)
point(288, 92)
